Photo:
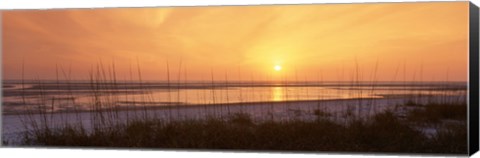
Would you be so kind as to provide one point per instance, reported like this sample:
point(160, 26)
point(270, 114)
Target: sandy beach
point(362, 108)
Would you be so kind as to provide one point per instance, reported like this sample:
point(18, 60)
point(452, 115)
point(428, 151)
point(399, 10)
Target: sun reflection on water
point(277, 94)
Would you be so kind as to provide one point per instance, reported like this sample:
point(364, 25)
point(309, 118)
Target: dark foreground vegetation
point(384, 132)
point(438, 128)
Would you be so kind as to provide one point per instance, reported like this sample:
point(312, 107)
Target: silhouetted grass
point(451, 138)
point(436, 112)
point(383, 133)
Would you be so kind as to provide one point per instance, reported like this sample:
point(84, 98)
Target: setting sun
point(245, 38)
point(277, 67)
point(284, 78)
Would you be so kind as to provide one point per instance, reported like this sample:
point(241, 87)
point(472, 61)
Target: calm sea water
point(66, 96)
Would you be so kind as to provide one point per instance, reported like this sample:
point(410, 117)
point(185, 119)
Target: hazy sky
point(430, 39)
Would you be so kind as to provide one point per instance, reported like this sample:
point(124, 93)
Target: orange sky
point(431, 39)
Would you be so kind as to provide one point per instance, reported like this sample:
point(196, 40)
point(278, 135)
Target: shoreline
point(174, 106)
point(186, 106)
point(280, 111)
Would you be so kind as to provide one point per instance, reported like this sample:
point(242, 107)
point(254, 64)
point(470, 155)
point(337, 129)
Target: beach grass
point(385, 132)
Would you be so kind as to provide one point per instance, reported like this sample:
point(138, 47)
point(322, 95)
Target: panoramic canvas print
point(373, 77)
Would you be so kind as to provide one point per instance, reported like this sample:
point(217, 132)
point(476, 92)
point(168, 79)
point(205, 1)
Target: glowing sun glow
point(277, 67)
point(250, 39)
